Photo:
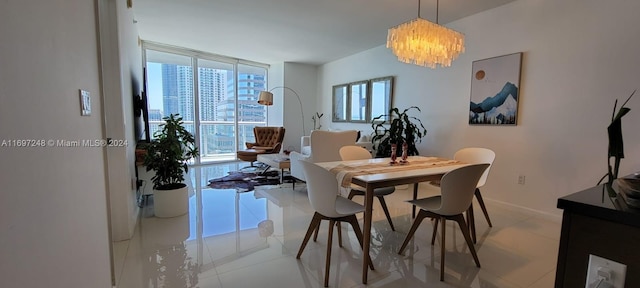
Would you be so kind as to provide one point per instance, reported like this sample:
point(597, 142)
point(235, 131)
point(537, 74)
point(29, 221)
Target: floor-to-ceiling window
point(218, 103)
point(251, 80)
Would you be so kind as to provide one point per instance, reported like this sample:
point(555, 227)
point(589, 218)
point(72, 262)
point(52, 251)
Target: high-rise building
point(185, 93)
point(249, 87)
point(217, 102)
point(169, 89)
point(211, 88)
point(177, 91)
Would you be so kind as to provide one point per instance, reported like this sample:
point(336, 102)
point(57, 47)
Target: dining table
point(381, 172)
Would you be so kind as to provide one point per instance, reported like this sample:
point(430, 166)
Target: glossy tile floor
point(250, 239)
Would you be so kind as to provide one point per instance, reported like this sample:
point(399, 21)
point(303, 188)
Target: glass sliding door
point(219, 104)
point(170, 88)
point(251, 80)
point(217, 112)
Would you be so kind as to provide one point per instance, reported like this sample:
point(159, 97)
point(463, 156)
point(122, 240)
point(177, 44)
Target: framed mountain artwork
point(495, 83)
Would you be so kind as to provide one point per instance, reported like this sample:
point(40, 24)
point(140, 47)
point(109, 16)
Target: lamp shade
point(265, 98)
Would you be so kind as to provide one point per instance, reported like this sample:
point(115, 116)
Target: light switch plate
point(85, 103)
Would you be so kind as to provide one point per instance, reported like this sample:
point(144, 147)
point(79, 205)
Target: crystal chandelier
point(425, 43)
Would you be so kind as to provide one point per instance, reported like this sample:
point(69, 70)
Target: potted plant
point(167, 156)
point(401, 128)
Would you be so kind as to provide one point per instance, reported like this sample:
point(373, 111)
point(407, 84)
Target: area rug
point(245, 181)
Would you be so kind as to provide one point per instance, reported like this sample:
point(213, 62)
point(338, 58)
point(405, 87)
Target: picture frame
point(495, 87)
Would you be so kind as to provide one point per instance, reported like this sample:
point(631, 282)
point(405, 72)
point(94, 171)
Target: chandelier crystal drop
point(422, 42)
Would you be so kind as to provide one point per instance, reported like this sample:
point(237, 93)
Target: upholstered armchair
point(268, 141)
point(323, 146)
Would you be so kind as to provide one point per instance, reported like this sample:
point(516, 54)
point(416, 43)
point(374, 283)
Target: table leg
point(368, 209)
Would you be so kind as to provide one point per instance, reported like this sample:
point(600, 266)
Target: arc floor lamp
point(266, 98)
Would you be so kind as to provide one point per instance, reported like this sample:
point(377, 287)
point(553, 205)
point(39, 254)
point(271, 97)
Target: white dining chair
point(359, 153)
point(457, 187)
point(322, 189)
point(475, 155)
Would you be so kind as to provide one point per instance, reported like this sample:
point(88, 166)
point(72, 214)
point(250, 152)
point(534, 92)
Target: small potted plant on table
point(167, 156)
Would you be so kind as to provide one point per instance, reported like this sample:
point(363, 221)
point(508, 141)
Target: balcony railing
point(217, 138)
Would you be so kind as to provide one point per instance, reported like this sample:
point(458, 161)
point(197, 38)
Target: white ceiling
point(273, 31)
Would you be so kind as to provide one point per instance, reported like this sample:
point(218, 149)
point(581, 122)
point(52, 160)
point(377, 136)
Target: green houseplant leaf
point(169, 153)
point(401, 128)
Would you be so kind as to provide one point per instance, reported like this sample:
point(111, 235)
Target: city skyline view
point(172, 90)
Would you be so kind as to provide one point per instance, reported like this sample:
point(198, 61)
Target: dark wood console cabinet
point(593, 226)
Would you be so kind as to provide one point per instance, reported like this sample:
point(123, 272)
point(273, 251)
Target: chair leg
point(315, 222)
point(386, 211)
point(442, 250)
point(471, 223)
point(484, 208)
point(415, 196)
point(421, 215)
point(328, 264)
point(247, 167)
point(315, 235)
point(382, 203)
point(435, 230)
point(356, 229)
point(339, 234)
point(465, 231)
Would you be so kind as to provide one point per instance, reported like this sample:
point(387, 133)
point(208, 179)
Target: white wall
point(302, 78)
point(579, 57)
point(53, 218)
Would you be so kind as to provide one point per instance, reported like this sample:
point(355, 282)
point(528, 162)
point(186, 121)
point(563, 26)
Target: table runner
point(344, 173)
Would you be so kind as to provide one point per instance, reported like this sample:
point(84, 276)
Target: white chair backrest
point(457, 188)
point(322, 189)
point(325, 145)
point(477, 156)
point(353, 152)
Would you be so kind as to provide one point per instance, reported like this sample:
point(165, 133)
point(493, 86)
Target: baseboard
point(557, 218)
point(426, 189)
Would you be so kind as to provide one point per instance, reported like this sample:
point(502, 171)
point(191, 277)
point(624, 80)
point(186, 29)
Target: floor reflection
point(250, 239)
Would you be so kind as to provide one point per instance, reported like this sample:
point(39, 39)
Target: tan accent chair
point(268, 141)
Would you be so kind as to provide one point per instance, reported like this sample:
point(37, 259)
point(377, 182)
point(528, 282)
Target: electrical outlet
point(601, 269)
point(521, 179)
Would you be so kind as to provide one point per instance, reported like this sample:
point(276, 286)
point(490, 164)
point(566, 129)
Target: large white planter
point(171, 203)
